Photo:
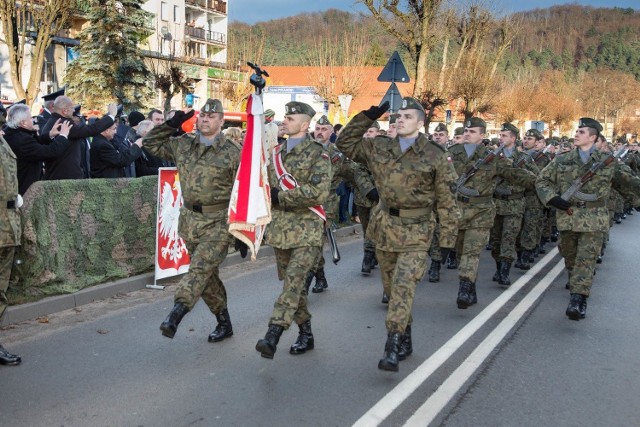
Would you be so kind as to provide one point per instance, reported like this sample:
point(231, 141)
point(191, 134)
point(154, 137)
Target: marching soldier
point(582, 216)
point(412, 174)
point(300, 178)
point(478, 168)
point(207, 163)
point(365, 197)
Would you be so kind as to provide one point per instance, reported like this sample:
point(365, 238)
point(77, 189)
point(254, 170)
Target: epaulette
point(437, 145)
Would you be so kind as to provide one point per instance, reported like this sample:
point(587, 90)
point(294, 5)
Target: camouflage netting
point(79, 233)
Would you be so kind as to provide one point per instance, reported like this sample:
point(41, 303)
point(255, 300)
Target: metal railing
point(213, 5)
point(205, 35)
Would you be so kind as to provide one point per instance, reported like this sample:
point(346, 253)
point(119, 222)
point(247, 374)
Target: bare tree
point(27, 29)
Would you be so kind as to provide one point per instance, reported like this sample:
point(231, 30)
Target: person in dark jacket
point(72, 163)
point(21, 135)
point(108, 159)
point(147, 164)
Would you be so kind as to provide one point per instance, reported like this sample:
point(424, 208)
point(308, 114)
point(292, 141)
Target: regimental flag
point(171, 257)
point(250, 205)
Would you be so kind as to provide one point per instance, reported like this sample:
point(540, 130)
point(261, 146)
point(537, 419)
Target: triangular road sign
point(394, 98)
point(394, 71)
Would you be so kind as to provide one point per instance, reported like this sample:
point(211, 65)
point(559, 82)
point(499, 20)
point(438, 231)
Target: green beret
point(295, 107)
point(392, 118)
point(587, 122)
point(322, 121)
point(441, 128)
point(510, 128)
point(475, 122)
point(535, 133)
point(375, 125)
point(459, 131)
point(409, 103)
point(212, 106)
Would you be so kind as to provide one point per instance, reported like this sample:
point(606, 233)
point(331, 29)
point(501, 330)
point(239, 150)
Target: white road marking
point(385, 406)
point(443, 395)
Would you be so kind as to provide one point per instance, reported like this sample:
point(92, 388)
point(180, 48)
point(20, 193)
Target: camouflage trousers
point(504, 234)
point(400, 272)
point(531, 229)
point(364, 214)
point(6, 262)
point(434, 250)
point(203, 278)
point(469, 244)
point(293, 266)
point(580, 252)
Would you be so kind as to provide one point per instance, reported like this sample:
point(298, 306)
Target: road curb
point(50, 305)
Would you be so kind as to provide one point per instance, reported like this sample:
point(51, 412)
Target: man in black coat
point(108, 159)
point(72, 164)
point(45, 114)
point(21, 135)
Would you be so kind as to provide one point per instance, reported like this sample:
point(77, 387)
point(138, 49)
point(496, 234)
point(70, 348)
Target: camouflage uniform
point(207, 174)
point(532, 219)
point(10, 231)
point(581, 233)
point(402, 223)
point(295, 232)
point(364, 183)
point(477, 213)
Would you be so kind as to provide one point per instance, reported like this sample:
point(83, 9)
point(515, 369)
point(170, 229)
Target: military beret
point(441, 128)
point(459, 131)
point(475, 122)
point(295, 107)
point(134, 118)
point(510, 128)
point(53, 95)
point(323, 121)
point(375, 125)
point(535, 133)
point(589, 123)
point(269, 113)
point(212, 106)
point(393, 118)
point(409, 103)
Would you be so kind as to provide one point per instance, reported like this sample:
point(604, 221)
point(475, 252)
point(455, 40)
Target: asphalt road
point(514, 359)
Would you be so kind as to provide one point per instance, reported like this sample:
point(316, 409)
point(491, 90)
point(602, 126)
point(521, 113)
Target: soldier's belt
point(473, 200)
point(205, 209)
point(406, 213)
point(596, 204)
point(512, 196)
point(11, 204)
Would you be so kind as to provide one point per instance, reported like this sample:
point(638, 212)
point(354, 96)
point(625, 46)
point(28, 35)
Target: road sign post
point(394, 71)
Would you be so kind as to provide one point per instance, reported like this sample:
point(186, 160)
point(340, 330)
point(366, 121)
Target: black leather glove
point(179, 118)
point(444, 253)
point(240, 246)
point(373, 195)
point(274, 196)
point(374, 113)
point(559, 203)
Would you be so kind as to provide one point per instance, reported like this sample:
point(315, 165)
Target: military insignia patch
point(404, 103)
point(325, 156)
point(316, 179)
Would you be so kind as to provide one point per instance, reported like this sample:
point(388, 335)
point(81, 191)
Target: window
point(164, 11)
point(176, 14)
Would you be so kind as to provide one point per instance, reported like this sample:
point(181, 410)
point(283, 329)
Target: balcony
point(218, 6)
point(213, 37)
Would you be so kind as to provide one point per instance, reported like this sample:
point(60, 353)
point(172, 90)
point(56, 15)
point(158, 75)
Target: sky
point(252, 11)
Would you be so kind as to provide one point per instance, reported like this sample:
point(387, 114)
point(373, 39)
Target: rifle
point(541, 153)
point(574, 189)
point(472, 192)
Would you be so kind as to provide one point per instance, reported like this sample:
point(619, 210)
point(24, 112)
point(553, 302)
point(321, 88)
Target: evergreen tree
point(110, 64)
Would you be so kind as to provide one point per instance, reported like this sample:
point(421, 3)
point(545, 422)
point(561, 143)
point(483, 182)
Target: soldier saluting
point(582, 214)
point(412, 174)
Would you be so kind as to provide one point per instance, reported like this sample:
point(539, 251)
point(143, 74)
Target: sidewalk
point(46, 306)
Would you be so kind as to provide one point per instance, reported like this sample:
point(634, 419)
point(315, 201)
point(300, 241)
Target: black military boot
point(554, 234)
point(452, 260)
point(224, 328)
point(573, 310)
point(385, 298)
point(305, 339)
point(465, 297)
point(406, 346)
point(375, 261)
point(267, 345)
point(496, 276)
point(434, 271)
point(7, 358)
point(308, 280)
point(367, 262)
point(474, 295)
point(170, 324)
point(505, 269)
point(489, 246)
point(321, 282)
point(583, 307)
point(617, 218)
point(535, 253)
point(541, 248)
point(518, 263)
point(390, 360)
point(526, 260)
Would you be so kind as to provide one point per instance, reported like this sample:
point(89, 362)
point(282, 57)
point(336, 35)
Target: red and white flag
point(250, 205)
point(172, 257)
